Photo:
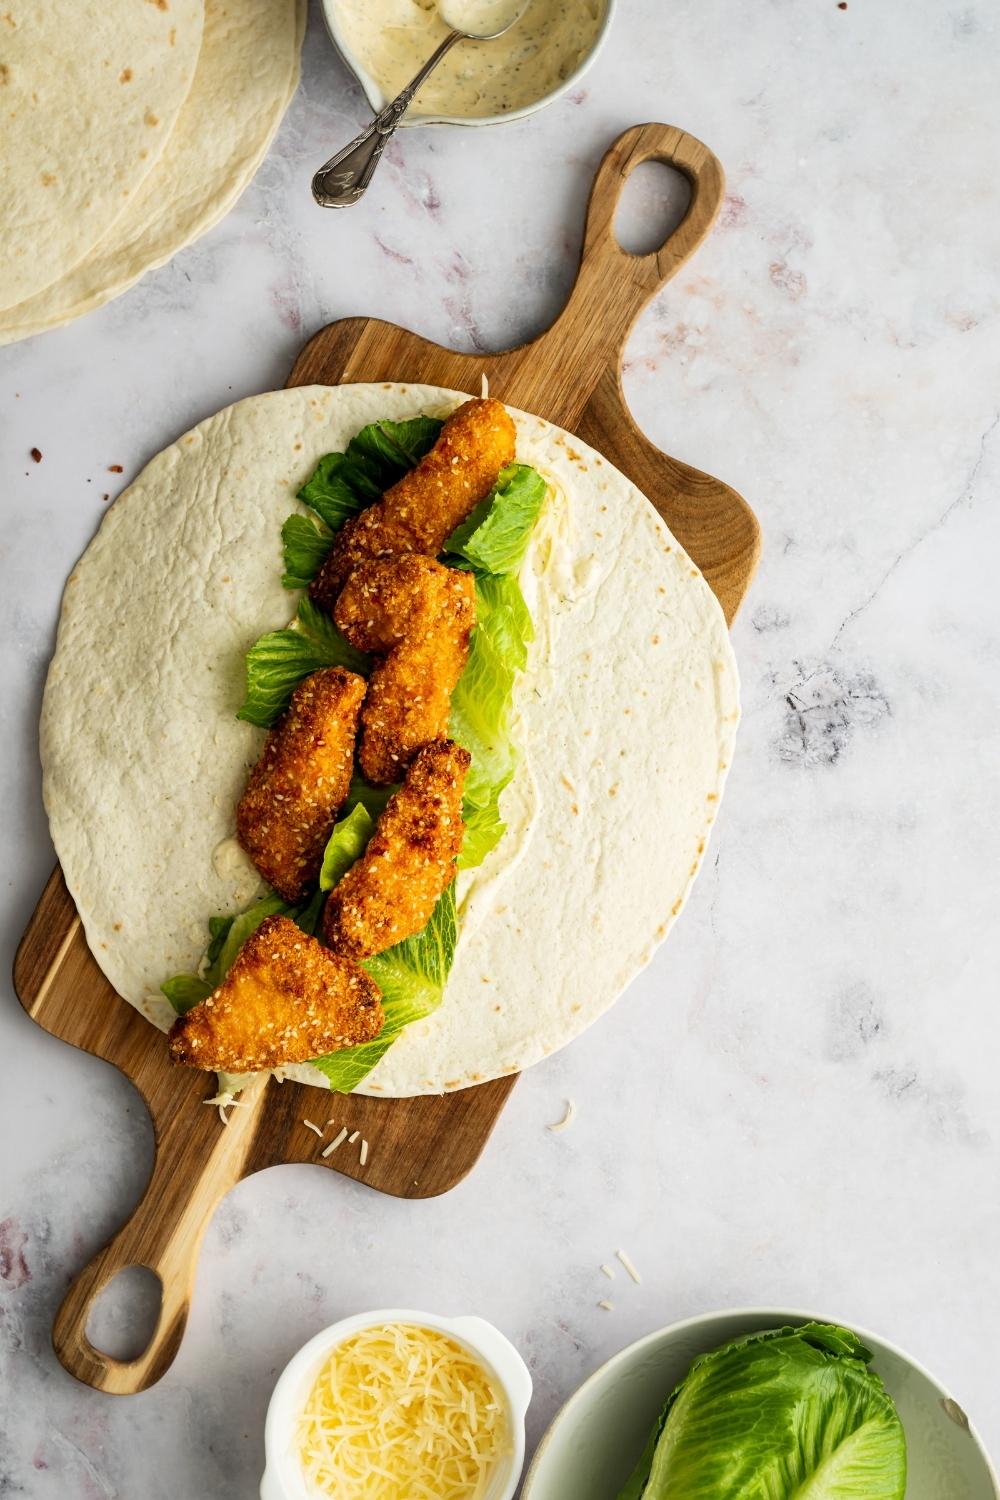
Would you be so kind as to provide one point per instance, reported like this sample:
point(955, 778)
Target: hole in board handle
point(653, 202)
point(124, 1314)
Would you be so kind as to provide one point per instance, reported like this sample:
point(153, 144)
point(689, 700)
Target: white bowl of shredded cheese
point(395, 1404)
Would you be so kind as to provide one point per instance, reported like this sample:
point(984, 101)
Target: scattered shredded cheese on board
point(567, 1118)
point(310, 1126)
point(400, 1412)
point(630, 1268)
point(362, 1159)
point(338, 1140)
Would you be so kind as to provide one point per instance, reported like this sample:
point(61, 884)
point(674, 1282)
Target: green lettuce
point(481, 702)
point(412, 976)
point(279, 661)
point(346, 844)
point(185, 991)
point(342, 484)
point(495, 537)
point(781, 1415)
point(304, 545)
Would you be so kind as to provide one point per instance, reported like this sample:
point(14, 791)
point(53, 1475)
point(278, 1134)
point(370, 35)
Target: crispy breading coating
point(286, 999)
point(393, 888)
point(420, 511)
point(298, 786)
point(417, 616)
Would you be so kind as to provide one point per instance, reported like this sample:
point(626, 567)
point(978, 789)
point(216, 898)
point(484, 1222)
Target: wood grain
point(419, 1147)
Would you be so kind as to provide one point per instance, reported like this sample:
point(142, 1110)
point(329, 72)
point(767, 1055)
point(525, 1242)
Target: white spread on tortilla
point(628, 710)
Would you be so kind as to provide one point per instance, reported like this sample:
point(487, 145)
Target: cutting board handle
point(164, 1235)
point(613, 285)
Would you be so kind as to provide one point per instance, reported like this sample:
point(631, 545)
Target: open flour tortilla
point(247, 72)
point(628, 707)
point(89, 93)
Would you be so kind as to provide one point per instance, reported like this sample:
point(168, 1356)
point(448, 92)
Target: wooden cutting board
point(419, 1147)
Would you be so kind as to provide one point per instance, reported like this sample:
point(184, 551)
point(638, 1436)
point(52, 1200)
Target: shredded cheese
point(485, 387)
point(363, 1158)
point(353, 1137)
point(567, 1118)
point(338, 1140)
point(607, 1306)
point(224, 1100)
point(608, 1271)
point(310, 1126)
point(630, 1268)
point(400, 1412)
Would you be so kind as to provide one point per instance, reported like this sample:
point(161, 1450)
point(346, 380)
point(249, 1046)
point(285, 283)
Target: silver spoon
point(343, 179)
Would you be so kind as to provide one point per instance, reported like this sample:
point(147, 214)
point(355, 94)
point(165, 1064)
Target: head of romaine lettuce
point(790, 1414)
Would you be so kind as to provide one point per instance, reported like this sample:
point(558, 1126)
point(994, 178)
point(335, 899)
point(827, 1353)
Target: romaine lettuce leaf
point(495, 537)
point(412, 977)
point(484, 828)
point(344, 483)
point(481, 709)
point(185, 991)
point(346, 844)
point(787, 1413)
point(304, 545)
point(279, 661)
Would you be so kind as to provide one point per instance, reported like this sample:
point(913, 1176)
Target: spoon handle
point(343, 179)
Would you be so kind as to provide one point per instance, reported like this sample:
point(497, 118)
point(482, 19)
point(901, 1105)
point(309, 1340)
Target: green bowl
point(594, 1441)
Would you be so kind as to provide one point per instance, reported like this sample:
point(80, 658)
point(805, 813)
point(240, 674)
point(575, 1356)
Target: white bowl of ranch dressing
point(544, 54)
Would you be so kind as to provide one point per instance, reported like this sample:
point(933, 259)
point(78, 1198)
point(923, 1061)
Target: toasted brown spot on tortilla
point(125, 76)
point(150, 118)
point(4, 73)
point(48, 178)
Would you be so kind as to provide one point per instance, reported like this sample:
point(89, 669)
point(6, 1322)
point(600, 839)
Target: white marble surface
point(797, 1103)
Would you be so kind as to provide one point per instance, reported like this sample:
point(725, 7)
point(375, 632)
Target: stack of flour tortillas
point(129, 128)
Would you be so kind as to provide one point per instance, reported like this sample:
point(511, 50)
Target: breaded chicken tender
point(416, 616)
point(299, 784)
point(391, 891)
point(286, 999)
point(420, 511)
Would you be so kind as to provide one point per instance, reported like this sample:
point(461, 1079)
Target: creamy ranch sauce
point(389, 39)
